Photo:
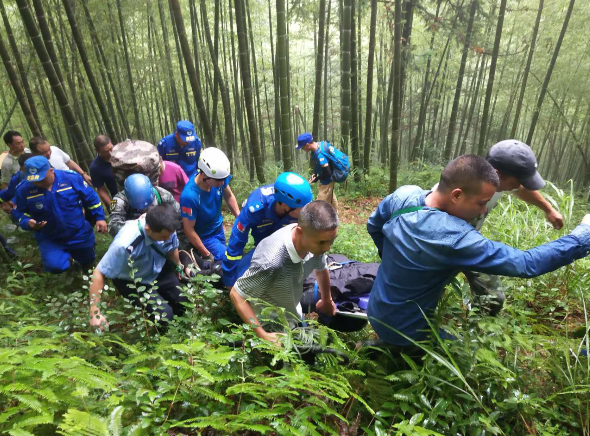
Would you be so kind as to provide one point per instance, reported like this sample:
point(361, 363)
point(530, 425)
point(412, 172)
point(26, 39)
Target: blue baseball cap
point(36, 168)
point(186, 131)
point(303, 139)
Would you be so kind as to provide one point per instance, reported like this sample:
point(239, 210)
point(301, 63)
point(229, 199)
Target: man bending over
point(425, 239)
point(280, 264)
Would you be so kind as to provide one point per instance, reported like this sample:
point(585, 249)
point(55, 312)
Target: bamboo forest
point(294, 217)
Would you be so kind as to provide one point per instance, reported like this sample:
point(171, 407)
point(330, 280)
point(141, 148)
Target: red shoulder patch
point(187, 210)
point(241, 228)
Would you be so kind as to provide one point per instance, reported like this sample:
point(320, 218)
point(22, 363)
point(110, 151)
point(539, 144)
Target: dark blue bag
point(339, 160)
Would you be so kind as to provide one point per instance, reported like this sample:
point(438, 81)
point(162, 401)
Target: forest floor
point(521, 372)
point(357, 210)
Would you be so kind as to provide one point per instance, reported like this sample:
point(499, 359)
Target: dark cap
point(303, 140)
point(517, 159)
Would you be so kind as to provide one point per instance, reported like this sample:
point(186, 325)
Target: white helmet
point(214, 163)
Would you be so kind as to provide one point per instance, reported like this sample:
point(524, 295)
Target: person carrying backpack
point(330, 166)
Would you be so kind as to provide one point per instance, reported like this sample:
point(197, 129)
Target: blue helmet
point(292, 190)
point(139, 191)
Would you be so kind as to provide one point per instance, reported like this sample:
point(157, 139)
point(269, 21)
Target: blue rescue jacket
point(62, 208)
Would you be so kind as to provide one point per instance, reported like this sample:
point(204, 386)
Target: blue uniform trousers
point(57, 257)
point(216, 243)
point(237, 269)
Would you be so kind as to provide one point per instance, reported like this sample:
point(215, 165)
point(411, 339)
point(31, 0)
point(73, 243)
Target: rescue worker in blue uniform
point(182, 147)
point(266, 210)
point(200, 205)
point(51, 203)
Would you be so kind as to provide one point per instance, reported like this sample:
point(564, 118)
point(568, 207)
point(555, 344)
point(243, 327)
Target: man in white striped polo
point(281, 263)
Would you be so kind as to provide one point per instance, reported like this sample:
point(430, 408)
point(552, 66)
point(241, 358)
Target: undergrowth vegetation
point(522, 372)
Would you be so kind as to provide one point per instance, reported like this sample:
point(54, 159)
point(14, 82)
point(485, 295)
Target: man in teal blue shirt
point(424, 239)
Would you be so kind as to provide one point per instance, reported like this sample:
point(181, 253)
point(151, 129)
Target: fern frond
point(115, 426)
point(19, 432)
point(34, 421)
point(78, 423)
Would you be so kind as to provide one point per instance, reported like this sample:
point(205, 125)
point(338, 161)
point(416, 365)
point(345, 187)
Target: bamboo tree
point(397, 100)
point(354, 116)
point(474, 100)
point(488, 97)
point(549, 72)
point(247, 87)
point(345, 116)
point(138, 131)
point(88, 69)
point(246, 6)
point(8, 116)
point(408, 20)
point(47, 40)
point(369, 103)
point(22, 72)
point(209, 137)
point(56, 84)
point(426, 90)
point(318, 71)
point(326, 63)
point(527, 68)
point(386, 109)
point(20, 95)
point(455, 109)
point(275, 79)
point(283, 85)
point(167, 52)
point(229, 128)
point(466, 103)
point(181, 67)
point(96, 43)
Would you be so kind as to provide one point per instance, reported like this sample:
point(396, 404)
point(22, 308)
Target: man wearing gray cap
point(516, 165)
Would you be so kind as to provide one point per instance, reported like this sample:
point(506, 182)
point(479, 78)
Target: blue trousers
point(215, 243)
point(232, 271)
point(57, 257)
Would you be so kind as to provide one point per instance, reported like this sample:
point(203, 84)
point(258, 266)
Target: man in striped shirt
point(280, 264)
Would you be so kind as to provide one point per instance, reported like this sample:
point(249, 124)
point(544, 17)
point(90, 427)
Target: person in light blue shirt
point(424, 239)
point(200, 205)
point(150, 244)
point(182, 147)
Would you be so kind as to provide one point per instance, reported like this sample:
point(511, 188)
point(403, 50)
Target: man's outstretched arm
point(476, 253)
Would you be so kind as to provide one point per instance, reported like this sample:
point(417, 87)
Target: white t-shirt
point(59, 159)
